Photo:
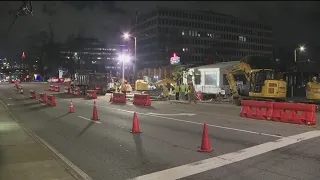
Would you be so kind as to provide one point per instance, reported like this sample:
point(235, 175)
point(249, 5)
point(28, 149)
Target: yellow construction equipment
point(263, 83)
point(313, 90)
point(141, 85)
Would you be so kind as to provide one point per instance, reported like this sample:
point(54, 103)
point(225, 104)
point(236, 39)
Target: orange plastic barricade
point(119, 98)
point(33, 94)
point(141, 99)
point(76, 92)
point(256, 109)
point(51, 100)
point(295, 113)
point(51, 88)
point(67, 90)
point(56, 89)
point(92, 94)
point(43, 98)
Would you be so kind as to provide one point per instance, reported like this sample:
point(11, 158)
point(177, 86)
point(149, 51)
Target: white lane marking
point(181, 120)
point(52, 149)
point(98, 122)
point(216, 162)
point(178, 114)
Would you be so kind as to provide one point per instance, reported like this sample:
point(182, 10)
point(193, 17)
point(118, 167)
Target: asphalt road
point(171, 134)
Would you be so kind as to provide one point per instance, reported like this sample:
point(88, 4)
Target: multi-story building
point(197, 37)
point(84, 54)
point(92, 55)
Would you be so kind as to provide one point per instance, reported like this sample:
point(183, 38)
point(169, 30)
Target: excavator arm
point(230, 77)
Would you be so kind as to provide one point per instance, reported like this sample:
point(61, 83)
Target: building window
point(197, 79)
point(242, 38)
point(182, 33)
point(210, 78)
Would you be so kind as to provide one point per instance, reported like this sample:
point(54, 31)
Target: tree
point(178, 73)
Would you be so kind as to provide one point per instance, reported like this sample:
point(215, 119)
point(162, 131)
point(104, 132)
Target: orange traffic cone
point(71, 107)
point(95, 112)
point(135, 124)
point(205, 145)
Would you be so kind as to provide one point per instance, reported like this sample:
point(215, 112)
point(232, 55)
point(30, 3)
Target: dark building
point(91, 55)
point(84, 54)
point(114, 67)
point(197, 37)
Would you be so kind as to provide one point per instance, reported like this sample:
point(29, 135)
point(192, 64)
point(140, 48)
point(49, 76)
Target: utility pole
point(135, 47)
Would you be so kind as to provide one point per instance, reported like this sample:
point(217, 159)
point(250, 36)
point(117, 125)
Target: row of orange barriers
point(138, 99)
point(47, 99)
point(295, 113)
point(54, 88)
point(76, 91)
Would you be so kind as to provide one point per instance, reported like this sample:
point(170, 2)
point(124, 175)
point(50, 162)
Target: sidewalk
point(23, 158)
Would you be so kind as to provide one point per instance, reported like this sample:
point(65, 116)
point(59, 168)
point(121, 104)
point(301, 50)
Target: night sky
point(295, 22)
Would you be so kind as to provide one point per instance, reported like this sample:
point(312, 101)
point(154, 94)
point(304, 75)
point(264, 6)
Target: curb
point(68, 165)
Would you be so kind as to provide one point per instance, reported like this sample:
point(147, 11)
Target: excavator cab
point(263, 84)
point(313, 89)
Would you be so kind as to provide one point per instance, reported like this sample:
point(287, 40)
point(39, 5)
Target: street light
point(123, 58)
point(301, 49)
point(126, 36)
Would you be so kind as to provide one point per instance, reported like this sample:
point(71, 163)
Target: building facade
point(84, 54)
point(197, 37)
point(89, 54)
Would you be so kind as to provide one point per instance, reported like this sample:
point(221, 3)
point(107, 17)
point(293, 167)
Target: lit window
point(182, 33)
point(189, 33)
point(242, 38)
point(183, 49)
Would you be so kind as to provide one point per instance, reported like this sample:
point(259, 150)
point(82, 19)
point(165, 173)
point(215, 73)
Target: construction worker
point(191, 93)
point(177, 90)
point(165, 91)
point(182, 91)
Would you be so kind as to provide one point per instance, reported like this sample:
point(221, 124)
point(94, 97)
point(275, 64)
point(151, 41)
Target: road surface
point(167, 147)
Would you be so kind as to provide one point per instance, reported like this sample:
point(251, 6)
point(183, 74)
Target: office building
point(85, 54)
point(197, 37)
point(92, 55)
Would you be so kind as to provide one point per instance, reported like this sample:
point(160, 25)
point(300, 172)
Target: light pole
point(295, 68)
point(301, 48)
point(127, 36)
point(123, 58)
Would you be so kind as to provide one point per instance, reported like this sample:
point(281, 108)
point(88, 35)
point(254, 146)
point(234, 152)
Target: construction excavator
point(267, 84)
point(313, 90)
point(264, 84)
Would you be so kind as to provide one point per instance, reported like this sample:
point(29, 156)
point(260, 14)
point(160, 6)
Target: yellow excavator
point(264, 84)
point(313, 90)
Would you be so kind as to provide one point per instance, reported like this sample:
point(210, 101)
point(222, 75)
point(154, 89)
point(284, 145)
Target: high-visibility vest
point(176, 88)
point(182, 88)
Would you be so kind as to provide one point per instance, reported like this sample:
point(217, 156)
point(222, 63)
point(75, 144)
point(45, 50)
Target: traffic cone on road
point(135, 124)
point(95, 112)
point(205, 145)
point(71, 107)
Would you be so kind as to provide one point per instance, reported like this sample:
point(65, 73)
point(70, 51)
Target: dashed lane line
point(185, 121)
point(98, 122)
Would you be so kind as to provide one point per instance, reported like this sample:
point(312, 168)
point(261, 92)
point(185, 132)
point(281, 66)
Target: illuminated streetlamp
point(126, 36)
point(301, 49)
point(123, 59)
